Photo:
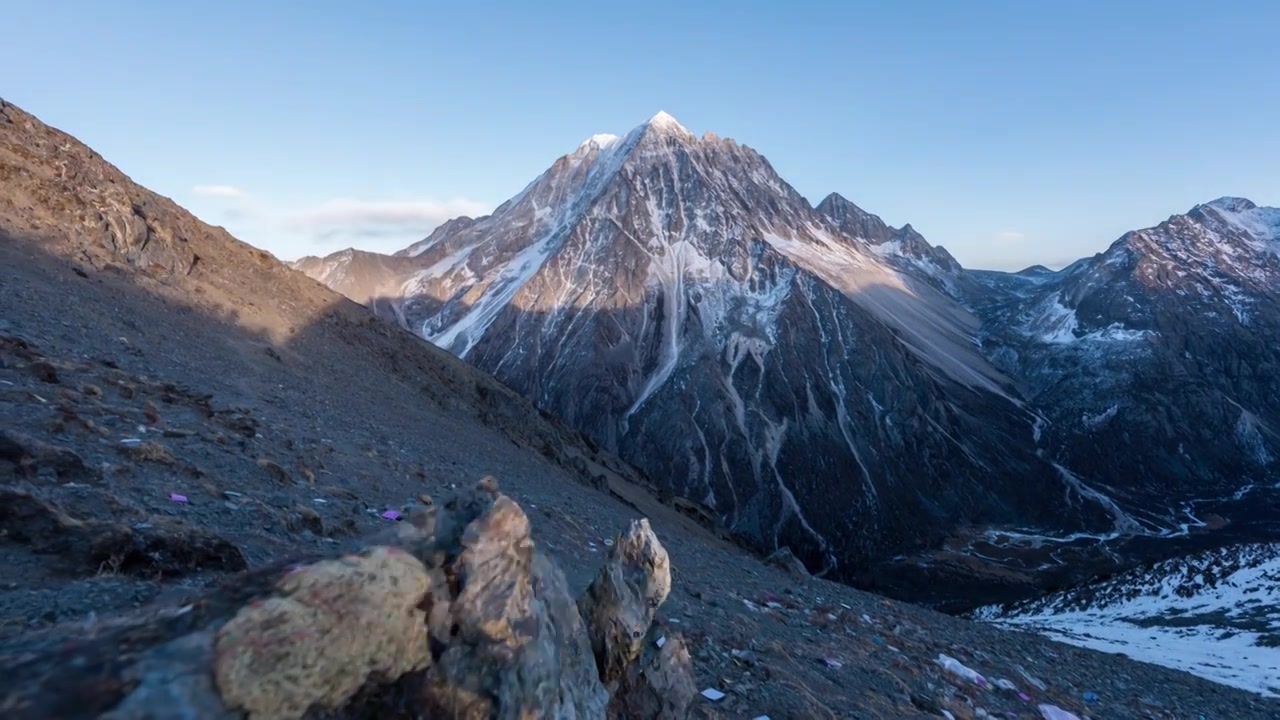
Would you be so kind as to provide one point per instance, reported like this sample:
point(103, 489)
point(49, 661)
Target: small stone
point(45, 372)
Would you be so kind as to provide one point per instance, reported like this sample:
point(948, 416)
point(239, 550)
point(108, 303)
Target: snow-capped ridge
point(1232, 204)
point(599, 141)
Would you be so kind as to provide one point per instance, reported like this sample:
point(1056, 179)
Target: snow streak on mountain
point(821, 380)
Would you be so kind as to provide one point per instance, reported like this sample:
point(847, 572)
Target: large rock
point(620, 605)
point(658, 687)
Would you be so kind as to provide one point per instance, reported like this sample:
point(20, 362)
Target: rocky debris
point(784, 559)
point(453, 613)
point(45, 372)
point(159, 547)
point(33, 458)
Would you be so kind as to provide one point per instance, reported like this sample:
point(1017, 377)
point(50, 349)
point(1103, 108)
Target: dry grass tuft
point(150, 451)
point(275, 470)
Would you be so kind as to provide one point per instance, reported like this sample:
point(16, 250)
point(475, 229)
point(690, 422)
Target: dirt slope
point(145, 355)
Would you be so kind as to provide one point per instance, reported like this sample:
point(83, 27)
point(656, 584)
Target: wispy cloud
point(380, 218)
point(225, 191)
point(1010, 236)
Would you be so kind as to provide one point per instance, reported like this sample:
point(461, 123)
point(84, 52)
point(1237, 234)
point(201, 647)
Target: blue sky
point(1011, 132)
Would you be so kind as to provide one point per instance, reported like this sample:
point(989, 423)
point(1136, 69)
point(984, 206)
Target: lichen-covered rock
point(335, 624)
point(515, 646)
point(622, 601)
point(658, 687)
point(784, 559)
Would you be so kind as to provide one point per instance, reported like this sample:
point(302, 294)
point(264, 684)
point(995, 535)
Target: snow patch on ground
point(1097, 420)
point(1214, 614)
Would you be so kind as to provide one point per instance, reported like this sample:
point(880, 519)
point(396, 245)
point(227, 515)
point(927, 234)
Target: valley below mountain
point(814, 379)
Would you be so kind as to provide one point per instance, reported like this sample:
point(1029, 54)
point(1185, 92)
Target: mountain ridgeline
point(819, 380)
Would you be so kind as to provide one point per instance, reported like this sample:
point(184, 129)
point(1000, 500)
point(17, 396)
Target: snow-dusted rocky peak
point(1156, 366)
point(1218, 258)
point(449, 227)
point(360, 275)
point(1218, 262)
point(854, 221)
point(812, 378)
point(1215, 614)
point(677, 300)
point(904, 248)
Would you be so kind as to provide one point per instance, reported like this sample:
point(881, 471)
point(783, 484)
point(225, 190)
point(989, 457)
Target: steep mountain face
point(820, 380)
point(1155, 363)
point(903, 248)
point(684, 306)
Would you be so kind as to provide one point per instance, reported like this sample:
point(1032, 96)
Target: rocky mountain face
point(904, 248)
point(804, 373)
point(819, 380)
point(1153, 365)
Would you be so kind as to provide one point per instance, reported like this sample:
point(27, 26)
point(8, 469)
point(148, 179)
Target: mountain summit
point(687, 308)
point(817, 379)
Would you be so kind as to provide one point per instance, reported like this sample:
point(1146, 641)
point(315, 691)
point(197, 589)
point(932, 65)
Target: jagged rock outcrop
point(784, 559)
point(904, 248)
point(456, 613)
point(621, 603)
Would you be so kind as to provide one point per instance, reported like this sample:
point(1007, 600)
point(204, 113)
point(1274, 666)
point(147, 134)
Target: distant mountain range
point(817, 379)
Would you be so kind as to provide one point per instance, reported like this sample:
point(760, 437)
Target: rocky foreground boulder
point(456, 613)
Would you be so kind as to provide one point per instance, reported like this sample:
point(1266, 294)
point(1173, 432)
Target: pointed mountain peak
point(853, 220)
point(664, 121)
point(837, 204)
point(664, 125)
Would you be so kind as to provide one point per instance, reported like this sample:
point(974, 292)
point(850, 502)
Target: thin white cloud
point(372, 218)
point(224, 191)
point(1010, 236)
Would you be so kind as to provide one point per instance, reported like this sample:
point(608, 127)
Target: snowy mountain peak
point(664, 121)
point(599, 141)
point(1232, 204)
point(664, 125)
